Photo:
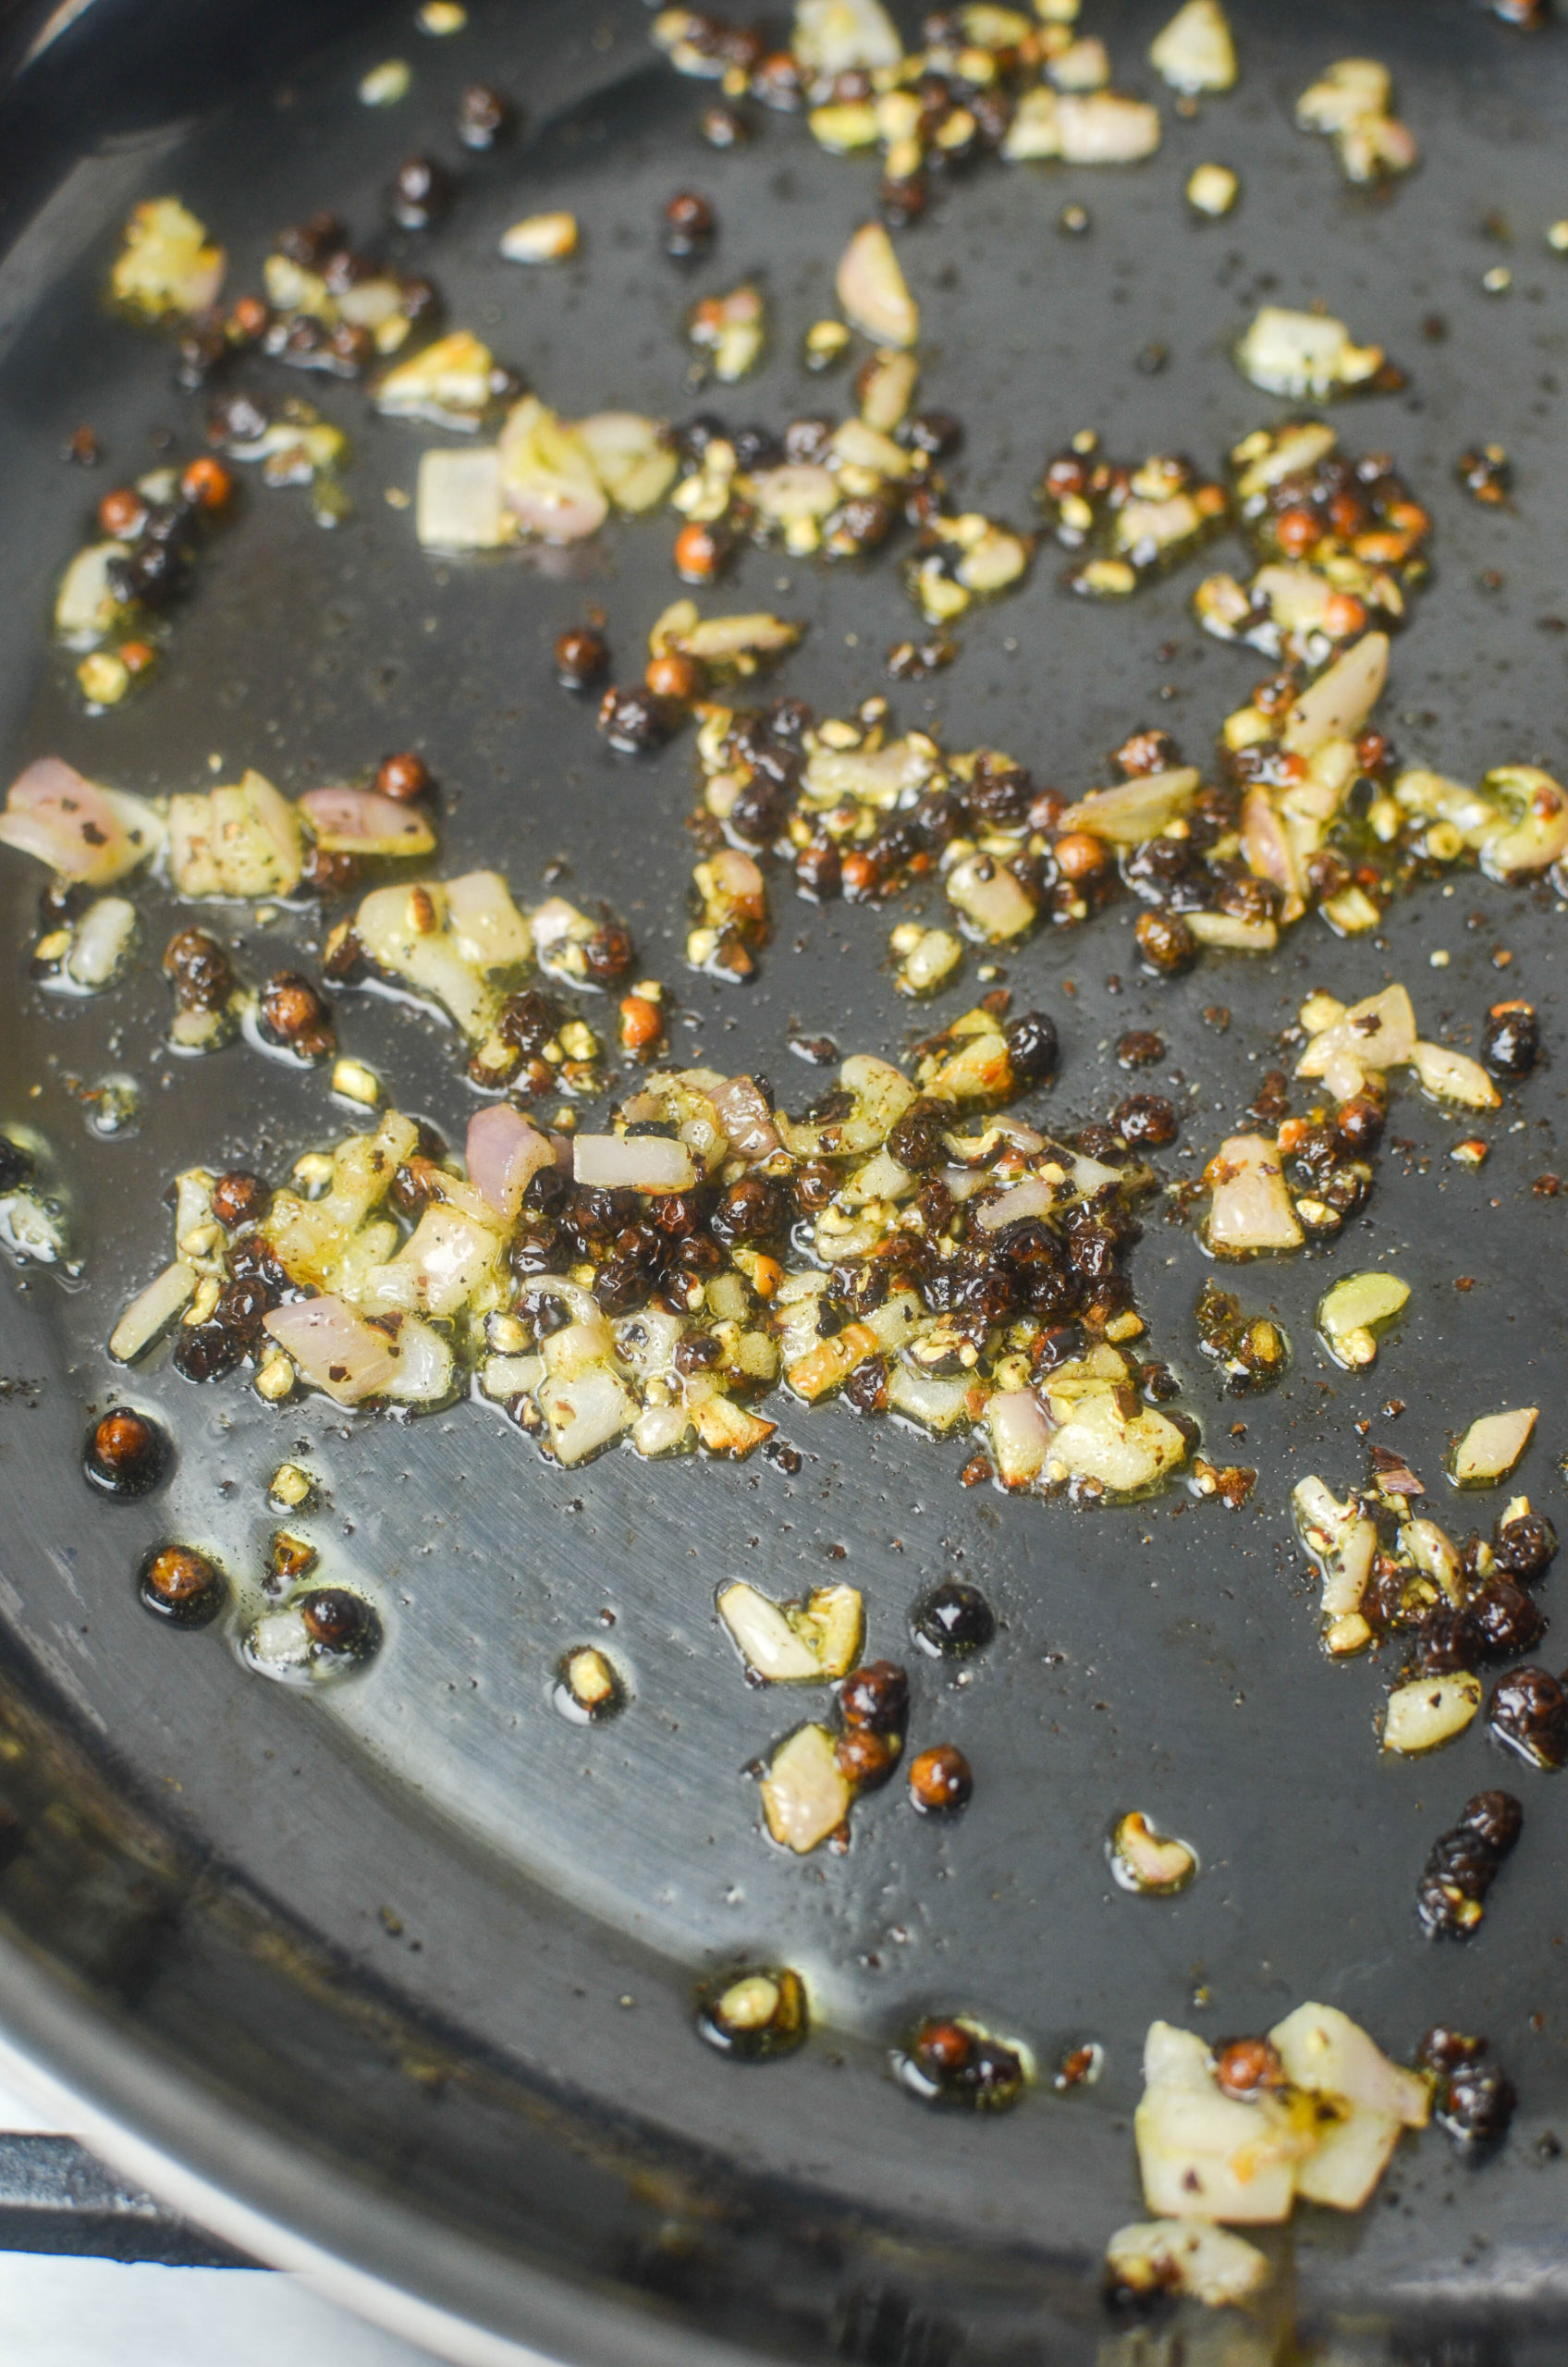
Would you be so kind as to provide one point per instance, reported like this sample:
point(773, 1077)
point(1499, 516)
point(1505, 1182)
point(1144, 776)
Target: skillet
point(403, 1974)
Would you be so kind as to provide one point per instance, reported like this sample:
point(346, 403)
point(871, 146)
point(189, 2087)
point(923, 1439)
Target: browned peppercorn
point(180, 1585)
point(815, 1182)
point(1080, 855)
point(1146, 752)
point(82, 449)
point(420, 194)
point(699, 553)
point(676, 676)
point(940, 1780)
point(722, 127)
point(608, 954)
point(951, 2062)
point(865, 1757)
point(943, 2046)
point(776, 81)
point(1246, 2067)
point(901, 199)
point(336, 1619)
point(208, 485)
point(1147, 1119)
point(583, 656)
point(1358, 1125)
point(819, 871)
point(875, 1695)
point(484, 116)
point(120, 513)
point(200, 968)
point(688, 225)
point(634, 719)
point(126, 1454)
point(292, 1012)
point(1165, 943)
point(403, 777)
point(238, 1197)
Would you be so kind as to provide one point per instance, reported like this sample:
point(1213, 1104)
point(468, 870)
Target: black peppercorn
point(1525, 1547)
point(688, 225)
point(336, 1620)
point(484, 116)
point(1147, 1119)
point(1510, 1039)
point(875, 1695)
point(1505, 1619)
point(1497, 1816)
point(420, 194)
point(292, 1013)
point(126, 1454)
point(1529, 1711)
point(953, 1620)
point(1476, 2105)
point(1031, 1047)
point(634, 720)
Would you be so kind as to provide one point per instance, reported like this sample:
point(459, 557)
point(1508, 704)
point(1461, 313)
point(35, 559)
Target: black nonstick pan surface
point(407, 1967)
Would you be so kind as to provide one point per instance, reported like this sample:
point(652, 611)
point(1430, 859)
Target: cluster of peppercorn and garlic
point(116, 592)
point(1464, 1862)
point(984, 80)
point(465, 946)
point(1134, 519)
point(863, 811)
point(897, 1243)
point(842, 489)
point(327, 307)
point(288, 441)
point(1341, 544)
point(1390, 1570)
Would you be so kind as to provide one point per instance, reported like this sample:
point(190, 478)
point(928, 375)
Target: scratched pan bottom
point(409, 1964)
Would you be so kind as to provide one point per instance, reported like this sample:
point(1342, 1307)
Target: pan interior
point(544, 1896)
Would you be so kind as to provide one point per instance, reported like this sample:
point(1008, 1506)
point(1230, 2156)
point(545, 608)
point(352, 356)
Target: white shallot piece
point(503, 1154)
point(86, 833)
point(1251, 1210)
point(351, 1359)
